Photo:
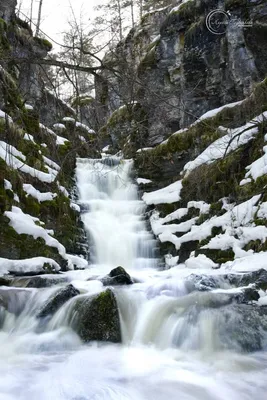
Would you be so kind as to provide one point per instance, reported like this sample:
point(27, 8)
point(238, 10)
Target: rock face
point(97, 318)
point(245, 327)
point(118, 276)
point(57, 301)
point(259, 278)
point(49, 155)
point(7, 9)
point(179, 69)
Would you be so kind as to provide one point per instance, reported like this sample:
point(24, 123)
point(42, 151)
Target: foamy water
point(175, 346)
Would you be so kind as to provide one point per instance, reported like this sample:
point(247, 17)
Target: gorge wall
point(175, 69)
point(188, 103)
point(40, 139)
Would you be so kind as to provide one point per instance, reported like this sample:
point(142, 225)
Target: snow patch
point(169, 194)
point(26, 224)
point(31, 191)
point(29, 265)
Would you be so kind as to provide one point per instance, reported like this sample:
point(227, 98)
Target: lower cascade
point(124, 328)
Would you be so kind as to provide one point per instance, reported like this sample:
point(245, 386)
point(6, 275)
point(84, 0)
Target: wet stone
point(57, 300)
point(96, 318)
point(118, 276)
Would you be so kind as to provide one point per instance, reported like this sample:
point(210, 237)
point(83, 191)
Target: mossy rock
point(82, 101)
point(43, 43)
point(256, 245)
point(96, 318)
point(53, 304)
point(216, 255)
point(15, 246)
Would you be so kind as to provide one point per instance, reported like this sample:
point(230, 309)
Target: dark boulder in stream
point(57, 300)
point(96, 318)
point(244, 327)
point(118, 276)
point(259, 278)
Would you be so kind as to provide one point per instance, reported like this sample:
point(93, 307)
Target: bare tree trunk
point(141, 9)
point(31, 11)
point(120, 19)
point(39, 18)
point(132, 13)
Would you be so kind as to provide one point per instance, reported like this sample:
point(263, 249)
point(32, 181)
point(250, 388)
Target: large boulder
point(247, 296)
point(243, 327)
point(57, 300)
point(118, 276)
point(259, 278)
point(229, 325)
point(97, 318)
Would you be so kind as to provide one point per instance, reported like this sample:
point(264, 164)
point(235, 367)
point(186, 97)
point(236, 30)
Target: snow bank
point(200, 262)
point(76, 262)
point(31, 191)
point(9, 154)
point(25, 223)
point(29, 265)
point(248, 263)
point(258, 167)
point(224, 145)
point(169, 194)
point(59, 127)
point(7, 150)
point(51, 163)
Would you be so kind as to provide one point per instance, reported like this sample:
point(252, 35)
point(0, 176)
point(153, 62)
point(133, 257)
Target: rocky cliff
point(40, 138)
point(176, 69)
point(188, 102)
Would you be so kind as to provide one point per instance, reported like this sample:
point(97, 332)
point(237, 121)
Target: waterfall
point(114, 219)
point(178, 342)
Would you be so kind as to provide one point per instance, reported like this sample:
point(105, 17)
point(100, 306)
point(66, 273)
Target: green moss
point(4, 43)
point(124, 113)
point(63, 149)
point(23, 24)
point(256, 245)
point(166, 208)
point(222, 178)
point(13, 245)
point(148, 61)
point(30, 121)
point(82, 101)
point(3, 25)
point(217, 256)
point(43, 43)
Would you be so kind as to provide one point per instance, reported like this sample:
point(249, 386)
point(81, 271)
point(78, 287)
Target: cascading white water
point(175, 344)
point(115, 215)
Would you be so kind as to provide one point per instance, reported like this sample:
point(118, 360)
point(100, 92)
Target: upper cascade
point(113, 214)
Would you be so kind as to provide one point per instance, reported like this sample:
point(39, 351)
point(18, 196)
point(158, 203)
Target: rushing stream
point(177, 342)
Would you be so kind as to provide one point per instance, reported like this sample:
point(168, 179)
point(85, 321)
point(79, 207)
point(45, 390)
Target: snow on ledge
point(248, 263)
point(31, 191)
point(200, 262)
point(227, 143)
point(169, 194)
point(26, 224)
point(143, 181)
point(29, 265)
